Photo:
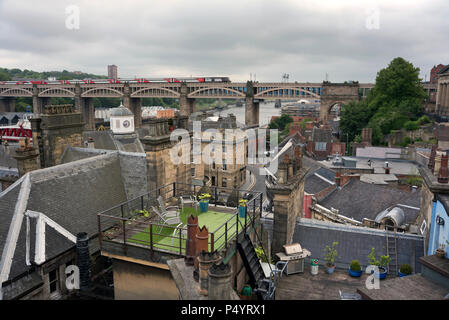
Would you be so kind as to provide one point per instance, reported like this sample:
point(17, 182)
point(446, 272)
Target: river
point(266, 111)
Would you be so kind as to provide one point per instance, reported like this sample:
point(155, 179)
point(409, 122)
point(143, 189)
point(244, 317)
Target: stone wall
point(134, 281)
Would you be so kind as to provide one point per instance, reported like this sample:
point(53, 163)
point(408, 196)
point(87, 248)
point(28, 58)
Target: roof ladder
point(392, 251)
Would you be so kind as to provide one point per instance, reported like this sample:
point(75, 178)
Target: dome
point(120, 111)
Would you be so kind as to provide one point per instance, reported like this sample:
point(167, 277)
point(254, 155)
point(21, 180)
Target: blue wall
point(439, 234)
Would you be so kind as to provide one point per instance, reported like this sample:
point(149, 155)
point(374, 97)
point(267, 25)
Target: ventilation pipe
point(83, 259)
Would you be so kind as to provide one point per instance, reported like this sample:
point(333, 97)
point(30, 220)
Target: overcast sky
point(348, 40)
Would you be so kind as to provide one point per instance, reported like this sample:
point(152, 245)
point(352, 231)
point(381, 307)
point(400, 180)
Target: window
point(224, 165)
point(320, 146)
point(224, 182)
point(192, 171)
point(213, 165)
point(53, 280)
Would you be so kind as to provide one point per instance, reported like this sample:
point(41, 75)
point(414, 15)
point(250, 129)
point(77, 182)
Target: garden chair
point(188, 200)
point(170, 211)
point(168, 220)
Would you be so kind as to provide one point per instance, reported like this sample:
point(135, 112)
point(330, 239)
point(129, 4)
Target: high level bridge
point(187, 93)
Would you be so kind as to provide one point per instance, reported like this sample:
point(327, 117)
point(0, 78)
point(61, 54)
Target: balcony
point(133, 229)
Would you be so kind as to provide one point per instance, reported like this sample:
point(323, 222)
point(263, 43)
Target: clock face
point(126, 123)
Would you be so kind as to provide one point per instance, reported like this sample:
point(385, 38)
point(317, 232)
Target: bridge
point(187, 93)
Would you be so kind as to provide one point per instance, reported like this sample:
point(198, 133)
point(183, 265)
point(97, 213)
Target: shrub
point(384, 260)
point(406, 269)
point(411, 125)
point(423, 120)
point(331, 253)
point(355, 265)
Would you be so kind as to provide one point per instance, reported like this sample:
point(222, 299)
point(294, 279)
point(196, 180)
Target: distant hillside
point(13, 74)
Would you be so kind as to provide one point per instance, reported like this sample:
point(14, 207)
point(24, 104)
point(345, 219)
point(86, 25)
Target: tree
point(396, 98)
point(4, 76)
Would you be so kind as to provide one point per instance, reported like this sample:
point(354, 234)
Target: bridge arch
point(140, 92)
point(11, 92)
point(306, 92)
point(98, 91)
point(57, 92)
point(193, 93)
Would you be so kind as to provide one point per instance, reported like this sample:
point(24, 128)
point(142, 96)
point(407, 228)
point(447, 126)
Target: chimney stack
point(220, 286)
point(387, 168)
point(192, 227)
point(206, 260)
point(202, 244)
point(337, 179)
point(443, 174)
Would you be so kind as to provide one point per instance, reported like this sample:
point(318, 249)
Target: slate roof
point(70, 194)
point(108, 141)
point(321, 135)
point(358, 200)
point(315, 184)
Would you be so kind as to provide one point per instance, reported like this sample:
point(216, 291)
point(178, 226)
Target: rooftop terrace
point(134, 224)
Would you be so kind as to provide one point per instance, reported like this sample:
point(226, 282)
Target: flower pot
point(242, 211)
point(382, 274)
point(330, 269)
point(204, 206)
point(353, 273)
point(400, 274)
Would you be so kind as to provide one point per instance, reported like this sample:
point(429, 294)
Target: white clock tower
point(121, 120)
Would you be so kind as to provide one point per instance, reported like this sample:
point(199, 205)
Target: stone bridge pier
point(187, 106)
point(133, 104)
point(252, 106)
point(7, 104)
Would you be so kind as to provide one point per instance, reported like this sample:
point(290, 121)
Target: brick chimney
point(201, 244)
point(337, 179)
point(443, 173)
point(192, 227)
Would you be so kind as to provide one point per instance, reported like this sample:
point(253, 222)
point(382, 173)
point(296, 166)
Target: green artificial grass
point(163, 239)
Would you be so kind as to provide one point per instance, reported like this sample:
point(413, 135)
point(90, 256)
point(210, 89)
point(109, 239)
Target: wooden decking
point(413, 287)
point(323, 286)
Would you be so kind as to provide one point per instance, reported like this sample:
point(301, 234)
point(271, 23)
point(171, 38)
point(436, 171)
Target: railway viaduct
point(187, 93)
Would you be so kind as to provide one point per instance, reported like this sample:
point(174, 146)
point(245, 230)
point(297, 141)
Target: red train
point(136, 80)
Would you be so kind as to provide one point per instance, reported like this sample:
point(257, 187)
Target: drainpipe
point(431, 229)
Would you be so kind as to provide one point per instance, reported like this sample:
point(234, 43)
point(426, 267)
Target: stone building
point(57, 127)
point(44, 210)
point(442, 102)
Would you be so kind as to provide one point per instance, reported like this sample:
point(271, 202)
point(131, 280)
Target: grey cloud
point(231, 38)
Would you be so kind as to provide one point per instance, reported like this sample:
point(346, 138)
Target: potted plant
point(440, 251)
point(242, 208)
point(331, 254)
point(204, 201)
point(355, 269)
point(405, 270)
point(382, 264)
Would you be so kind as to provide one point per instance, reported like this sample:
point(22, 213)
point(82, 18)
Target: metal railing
point(133, 223)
